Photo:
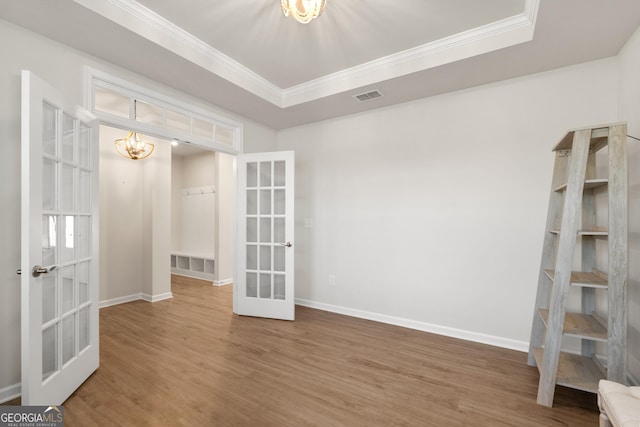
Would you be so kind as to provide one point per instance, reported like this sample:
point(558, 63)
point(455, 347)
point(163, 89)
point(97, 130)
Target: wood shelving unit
point(572, 218)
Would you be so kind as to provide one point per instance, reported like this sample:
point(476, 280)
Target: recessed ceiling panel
point(347, 34)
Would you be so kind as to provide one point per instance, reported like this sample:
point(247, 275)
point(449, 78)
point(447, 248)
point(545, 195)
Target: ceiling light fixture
point(134, 147)
point(302, 11)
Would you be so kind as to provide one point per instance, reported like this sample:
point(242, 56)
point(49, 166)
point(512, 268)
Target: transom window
point(128, 106)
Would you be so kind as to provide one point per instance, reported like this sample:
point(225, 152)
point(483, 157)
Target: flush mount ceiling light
point(134, 147)
point(302, 11)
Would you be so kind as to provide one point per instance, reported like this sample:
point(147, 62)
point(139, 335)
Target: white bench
point(619, 405)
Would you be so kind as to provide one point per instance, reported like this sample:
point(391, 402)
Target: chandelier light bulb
point(302, 11)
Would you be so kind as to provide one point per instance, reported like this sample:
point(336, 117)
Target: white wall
point(433, 212)
point(629, 105)
point(135, 214)
point(63, 67)
point(121, 220)
point(156, 230)
point(177, 168)
point(193, 228)
point(225, 218)
point(259, 139)
point(199, 170)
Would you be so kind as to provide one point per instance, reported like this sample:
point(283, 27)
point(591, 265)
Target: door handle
point(38, 270)
point(19, 271)
point(288, 244)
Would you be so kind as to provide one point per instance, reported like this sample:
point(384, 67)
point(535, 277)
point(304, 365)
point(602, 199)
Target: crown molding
point(143, 21)
point(153, 27)
point(497, 35)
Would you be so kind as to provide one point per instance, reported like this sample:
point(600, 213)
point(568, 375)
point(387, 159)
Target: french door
point(264, 278)
point(59, 252)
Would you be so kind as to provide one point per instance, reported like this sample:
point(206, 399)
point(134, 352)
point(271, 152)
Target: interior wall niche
point(193, 236)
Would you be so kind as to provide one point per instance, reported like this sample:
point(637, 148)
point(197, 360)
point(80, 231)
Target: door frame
point(94, 77)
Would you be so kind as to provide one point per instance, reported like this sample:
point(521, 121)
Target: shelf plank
point(579, 325)
point(597, 232)
point(574, 371)
point(589, 184)
point(584, 279)
point(599, 137)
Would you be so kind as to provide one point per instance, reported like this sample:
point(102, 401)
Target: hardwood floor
point(190, 362)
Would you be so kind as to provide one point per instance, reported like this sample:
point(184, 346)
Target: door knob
point(288, 244)
point(38, 270)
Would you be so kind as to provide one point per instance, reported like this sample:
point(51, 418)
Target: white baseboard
point(135, 297)
point(193, 274)
point(420, 326)
point(120, 300)
point(10, 393)
point(156, 298)
point(223, 282)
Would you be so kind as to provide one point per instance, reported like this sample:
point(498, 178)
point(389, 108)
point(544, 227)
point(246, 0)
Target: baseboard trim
point(120, 300)
point(522, 346)
point(10, 393)
point(223, 282)
point(156, 298)
point(135, 297)
point(192, 274)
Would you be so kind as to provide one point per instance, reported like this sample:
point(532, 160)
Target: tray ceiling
point(243, 55)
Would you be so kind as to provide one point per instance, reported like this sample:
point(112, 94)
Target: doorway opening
point(259, 236)
point(136, 196)
point(169, 213)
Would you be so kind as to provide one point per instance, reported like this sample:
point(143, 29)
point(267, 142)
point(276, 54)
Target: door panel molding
point(264, 282)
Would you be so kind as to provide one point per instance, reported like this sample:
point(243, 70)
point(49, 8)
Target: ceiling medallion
point(302, 11)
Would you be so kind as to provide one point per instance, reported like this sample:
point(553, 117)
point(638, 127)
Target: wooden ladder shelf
point(576, 194)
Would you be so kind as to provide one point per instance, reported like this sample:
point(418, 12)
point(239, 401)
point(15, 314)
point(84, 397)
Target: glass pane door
point(265, 279)
point(66, 237)
point(59, 245)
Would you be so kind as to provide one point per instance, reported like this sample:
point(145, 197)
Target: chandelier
point(134, 147)
point(303, 11)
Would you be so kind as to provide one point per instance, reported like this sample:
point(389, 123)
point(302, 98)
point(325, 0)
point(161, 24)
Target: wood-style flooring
point(189, 361)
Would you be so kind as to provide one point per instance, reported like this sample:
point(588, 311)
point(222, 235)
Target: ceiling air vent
point(367, 96)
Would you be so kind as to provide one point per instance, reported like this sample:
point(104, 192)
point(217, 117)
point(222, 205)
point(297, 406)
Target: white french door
point(264, 278)
point(59, 253)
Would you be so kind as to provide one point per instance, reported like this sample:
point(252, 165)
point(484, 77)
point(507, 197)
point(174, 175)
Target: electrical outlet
point(332, 280)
